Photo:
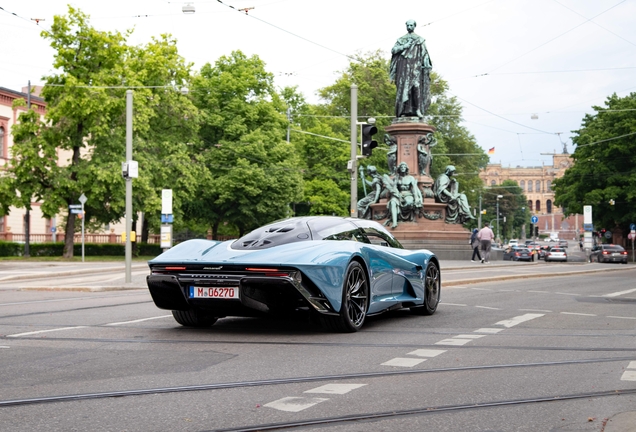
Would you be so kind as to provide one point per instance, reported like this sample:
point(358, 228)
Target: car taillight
point(624, 253)
point(516, 253)
point(605, 253)
point(269, 272)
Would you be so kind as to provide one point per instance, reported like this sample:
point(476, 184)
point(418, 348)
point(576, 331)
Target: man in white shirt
point(486, 237)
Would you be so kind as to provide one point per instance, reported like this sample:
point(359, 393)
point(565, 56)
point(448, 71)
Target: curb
point(65, 273)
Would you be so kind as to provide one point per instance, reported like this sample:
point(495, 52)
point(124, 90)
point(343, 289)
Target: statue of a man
point(424, 155)
point(446, 191)
point(410, 71)
point(374, 193)
point(405, 197)
point(391, 155)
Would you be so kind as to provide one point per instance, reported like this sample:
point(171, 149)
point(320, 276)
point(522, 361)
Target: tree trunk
point(69, 235)
point(215, 230)
point(145, 231)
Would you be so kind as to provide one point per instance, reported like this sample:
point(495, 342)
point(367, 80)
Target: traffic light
point(483, 211)
point(536, 231)
point(368, 143)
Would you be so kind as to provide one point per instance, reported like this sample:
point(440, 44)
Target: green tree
point(603, 171)
point(252, 174)
point(512, 206)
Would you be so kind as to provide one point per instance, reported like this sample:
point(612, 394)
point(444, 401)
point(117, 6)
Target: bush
point(9, 249)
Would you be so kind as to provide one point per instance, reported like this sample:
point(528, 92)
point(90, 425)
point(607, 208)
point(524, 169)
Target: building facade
point(536, 183)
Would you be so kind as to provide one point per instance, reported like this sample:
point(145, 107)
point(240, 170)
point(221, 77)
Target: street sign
point(167, 218)
point(587, 214)
point(53, 229)
point(632, 227)
point(608, 235)
point(631, 236)
point(75, 206)
point(76, 211)
point(83, 199)
point(534, 219)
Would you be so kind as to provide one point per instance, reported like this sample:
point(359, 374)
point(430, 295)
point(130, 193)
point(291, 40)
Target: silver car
point(556, 254)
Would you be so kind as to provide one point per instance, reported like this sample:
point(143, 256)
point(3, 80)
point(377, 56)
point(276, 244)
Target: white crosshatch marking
point(631, 365)
point(426, 352)
point(403, 362)
point(518, 320)
point(335, 388)
point(294, 404)
point(629, 376)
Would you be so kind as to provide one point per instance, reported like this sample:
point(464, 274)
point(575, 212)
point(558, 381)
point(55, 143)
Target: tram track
point(294, 380)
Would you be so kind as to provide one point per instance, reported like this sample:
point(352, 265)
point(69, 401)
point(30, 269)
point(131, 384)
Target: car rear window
point(557, 250)
point(613, 248)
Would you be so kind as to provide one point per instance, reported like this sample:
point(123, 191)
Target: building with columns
point(536, 183)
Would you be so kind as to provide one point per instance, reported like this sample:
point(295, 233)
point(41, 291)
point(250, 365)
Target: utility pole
point(27, 215)
point(354, 151)
point(129, 158)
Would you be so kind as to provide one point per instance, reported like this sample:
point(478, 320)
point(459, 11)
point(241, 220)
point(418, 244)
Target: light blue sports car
point(339, 269)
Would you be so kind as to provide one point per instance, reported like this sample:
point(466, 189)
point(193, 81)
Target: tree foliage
point(603, 169)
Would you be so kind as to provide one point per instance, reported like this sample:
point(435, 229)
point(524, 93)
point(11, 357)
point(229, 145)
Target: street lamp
point(498, 196)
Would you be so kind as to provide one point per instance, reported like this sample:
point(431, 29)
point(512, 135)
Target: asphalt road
point(531, 347)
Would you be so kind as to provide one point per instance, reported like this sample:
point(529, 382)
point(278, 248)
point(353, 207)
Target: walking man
point(475, 244)
point(486, 237)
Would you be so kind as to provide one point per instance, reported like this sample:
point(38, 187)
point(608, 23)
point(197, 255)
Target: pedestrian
point(485, 236)
point(475, 244)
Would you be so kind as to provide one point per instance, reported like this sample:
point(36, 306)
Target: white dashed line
point(45, 331)
point(453, 304)
point(616, 294)
point(335, 388)
point(540, 292)
point(534, 310)
point(403, 362)
point(294, 404)
point(4, 346)
point(570, 294)
point(580, 314)
point(138, 320)
point(469, 336)
point(482, 289)
point(518, 320)
point(631, 318)
point(488, 330)
point(488, 307)
point(427, 352)
point(454, 342)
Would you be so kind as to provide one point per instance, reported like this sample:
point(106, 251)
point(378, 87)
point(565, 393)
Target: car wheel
point(193, 318)
point(432, 291)
point(355, 302)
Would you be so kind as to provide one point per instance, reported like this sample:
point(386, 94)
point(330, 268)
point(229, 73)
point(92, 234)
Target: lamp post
point(498, 196)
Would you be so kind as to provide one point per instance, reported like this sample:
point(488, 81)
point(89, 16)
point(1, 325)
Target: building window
point(530, 205)
point(548, 186)
point(523, 185)
point(1, 142)
point(548, 206)
point(538, 186)
point(493, 183)
point(2, 223)
point(530, 186)
point(538, 206)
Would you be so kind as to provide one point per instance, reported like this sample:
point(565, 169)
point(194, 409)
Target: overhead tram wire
point(547, 42)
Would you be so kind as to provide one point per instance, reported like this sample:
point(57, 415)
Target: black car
point(608, 253)
point(518, 253)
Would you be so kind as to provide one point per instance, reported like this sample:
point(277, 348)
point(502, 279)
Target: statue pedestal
point(430, 225)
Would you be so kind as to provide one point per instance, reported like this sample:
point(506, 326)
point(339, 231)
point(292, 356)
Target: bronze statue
point(446, 191)
point(405, 198)
point(424, 155)
point(374, 192)
point(410, 71)
point(391, 155)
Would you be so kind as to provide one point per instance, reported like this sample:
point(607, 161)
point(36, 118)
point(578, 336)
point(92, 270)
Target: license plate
point(214, 292)
point(616, 254)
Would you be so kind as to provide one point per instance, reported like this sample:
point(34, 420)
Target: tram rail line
point(423, 411)
point(294, 380)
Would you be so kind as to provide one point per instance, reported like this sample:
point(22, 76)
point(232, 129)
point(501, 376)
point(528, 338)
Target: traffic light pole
point(354, 150)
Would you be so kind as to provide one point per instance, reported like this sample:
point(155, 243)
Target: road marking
point(427, 352)
point(629, 376)
point(453, 304)
point(507, 290)
point(574, 313)
point(294, 404)
point(562, 293)
point(403, 362)
point(631, 318)
point(616, 294)
point(4, 346)
point(335, 388)
point(138, 320)
point(534, 310)
point(455, 342)
point(518, 320)
point(469, 336)
point(45, 331)
point(488, 330)
point(488, 307)
point(631, 365)
point(482, 289)
point(540, 292)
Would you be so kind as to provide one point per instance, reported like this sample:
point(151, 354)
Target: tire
point(432, 291)
point(193, 318)
point(355, 302)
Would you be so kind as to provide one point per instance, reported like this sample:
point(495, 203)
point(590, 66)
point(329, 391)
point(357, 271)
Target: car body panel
point(605, 253)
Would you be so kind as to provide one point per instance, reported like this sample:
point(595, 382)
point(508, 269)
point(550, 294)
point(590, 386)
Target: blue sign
point(53, 229)
point(588, 227)
point(534, 219)
point(167, 218)
point(632, 227)
point(76, 211)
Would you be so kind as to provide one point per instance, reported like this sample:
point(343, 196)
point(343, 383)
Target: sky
point(525, 71)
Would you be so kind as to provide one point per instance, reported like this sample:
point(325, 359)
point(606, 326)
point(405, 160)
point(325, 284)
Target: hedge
point(8, 249)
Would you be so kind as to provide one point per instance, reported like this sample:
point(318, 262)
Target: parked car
point(518, 253)
point(513, 242)
point(563, 243)
point(337, 269)
point(556, 254)
point(608, 253)
point(543, 249)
